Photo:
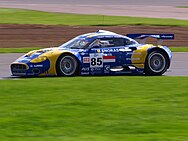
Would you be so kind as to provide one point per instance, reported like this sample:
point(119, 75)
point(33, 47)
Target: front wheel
point(67, 65)
point(156, 63)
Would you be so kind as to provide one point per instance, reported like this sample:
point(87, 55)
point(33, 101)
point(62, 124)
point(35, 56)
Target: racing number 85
point(96, 60)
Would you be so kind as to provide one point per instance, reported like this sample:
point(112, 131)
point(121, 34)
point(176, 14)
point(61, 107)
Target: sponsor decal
point(98, 50)
point(96, 69)
point(108, 54)
point(38, 66)
point(107, 59)
point(107, 69)
point(130, 53)
point(110, 50)
point(155, 36)
point(132, 58)
point(86, 59)
point(167, 36)
point(125, 49)
point(84, 73)
point(85, 69)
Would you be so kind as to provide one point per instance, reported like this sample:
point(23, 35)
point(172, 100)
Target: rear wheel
point(67, 65)
point(156, 63)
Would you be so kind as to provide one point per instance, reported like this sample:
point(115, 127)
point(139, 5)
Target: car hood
point(45, 52)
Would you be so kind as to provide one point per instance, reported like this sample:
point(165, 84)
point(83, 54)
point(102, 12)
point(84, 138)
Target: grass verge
point(19, 16)
point(25, 50)
point(18, 50)
point(182, 6)
point(179, 49)
point(94, 108)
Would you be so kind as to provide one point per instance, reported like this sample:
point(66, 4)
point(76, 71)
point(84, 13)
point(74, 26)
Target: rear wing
point(159, 37)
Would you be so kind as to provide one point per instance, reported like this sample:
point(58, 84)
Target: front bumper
point(30, 69)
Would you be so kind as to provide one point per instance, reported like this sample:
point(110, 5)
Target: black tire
point(156, 63)
point(67, 65)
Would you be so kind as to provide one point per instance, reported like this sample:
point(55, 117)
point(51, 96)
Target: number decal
point(96, 60)
point(99, 61)
point(93, 61)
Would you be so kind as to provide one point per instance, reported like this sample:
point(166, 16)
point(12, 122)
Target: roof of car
point(101, 33)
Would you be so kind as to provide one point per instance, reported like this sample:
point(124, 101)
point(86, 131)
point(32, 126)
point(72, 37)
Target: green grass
point(182, 6)
point(19, 16)
point(179, 49)
point(119, 108)
point(25, 50)
point(18, 50)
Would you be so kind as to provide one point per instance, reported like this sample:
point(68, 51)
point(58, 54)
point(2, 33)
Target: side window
point(128, 42)
point(103, 42)
point(108, 42)
point(119, 42)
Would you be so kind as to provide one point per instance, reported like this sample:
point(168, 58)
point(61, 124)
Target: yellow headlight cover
point(39, 59)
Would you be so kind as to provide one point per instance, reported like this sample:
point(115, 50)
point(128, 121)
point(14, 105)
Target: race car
point(98, 53)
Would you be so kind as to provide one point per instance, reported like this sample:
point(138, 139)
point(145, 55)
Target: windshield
point(75, 43)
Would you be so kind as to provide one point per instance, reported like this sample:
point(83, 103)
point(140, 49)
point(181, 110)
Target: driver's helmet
point(101, 43)
point(104, 43)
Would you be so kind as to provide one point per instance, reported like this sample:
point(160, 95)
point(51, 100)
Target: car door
point(95, 58)
point(105, 54)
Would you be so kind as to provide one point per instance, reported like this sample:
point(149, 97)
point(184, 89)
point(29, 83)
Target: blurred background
point(100, 108)
point(35, 29)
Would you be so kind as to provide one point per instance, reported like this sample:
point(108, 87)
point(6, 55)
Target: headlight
point(39, 59)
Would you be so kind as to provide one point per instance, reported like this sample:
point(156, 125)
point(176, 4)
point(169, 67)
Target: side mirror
point(133, 48)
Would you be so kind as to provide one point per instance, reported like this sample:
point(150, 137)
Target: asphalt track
point(179, 66)
point(103, 2)
point(140, 8)
point(135, 8)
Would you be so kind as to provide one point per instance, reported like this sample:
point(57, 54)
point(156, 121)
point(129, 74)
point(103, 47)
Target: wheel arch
point(70, 54)
point(158, 49)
